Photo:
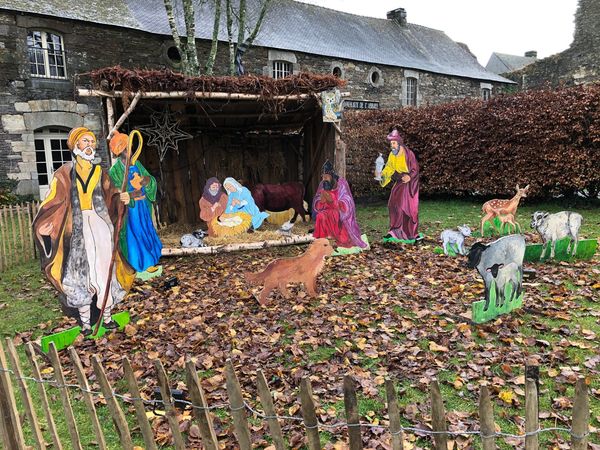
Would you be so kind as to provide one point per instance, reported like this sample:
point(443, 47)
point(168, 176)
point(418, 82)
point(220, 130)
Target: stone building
point(503, 63)
point(579, 64)
point(44, 45)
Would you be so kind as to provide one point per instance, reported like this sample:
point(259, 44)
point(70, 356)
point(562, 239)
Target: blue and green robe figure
point(138, 239)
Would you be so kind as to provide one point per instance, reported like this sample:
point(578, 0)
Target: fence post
point(170, 411)
point(486, 419)
point(201, 413)
point(309, 414)
point(87, 397)
point(64, 397)
point(438, 416)
point(238, 408)
point(581, 417)
point(13, 226)
point(22, 240)
point(394, 413)
point(114, 408)
point(140, 410)
point(267, 403)
point(35, 369)
point(27, 402)
point(12, 433)
point(2, 241)
point(352, 417)
point(532, 418)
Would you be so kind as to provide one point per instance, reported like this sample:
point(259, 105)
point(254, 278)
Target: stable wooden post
point(394, 413)
point(87, 398)
point(309, 414)
point(170, 411)
point(351, 406)
point(486, 420)
point(238, 408)
point(35, 370)
point(27, 402)
point(64, 397)
point(201, 413)
point(581, 417)
point(140, 410)
point(438, 416)
point(12, 432)
point(113, 406)
point(532, 418)
point(267, 403)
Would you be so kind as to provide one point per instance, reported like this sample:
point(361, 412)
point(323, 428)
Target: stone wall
point(28, 103)
point(579, 64)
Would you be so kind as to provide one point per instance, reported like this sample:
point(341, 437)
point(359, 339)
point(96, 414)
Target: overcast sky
point(486, 26)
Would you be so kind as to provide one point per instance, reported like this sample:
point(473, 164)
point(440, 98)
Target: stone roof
point(289, 25)
point(503, 63)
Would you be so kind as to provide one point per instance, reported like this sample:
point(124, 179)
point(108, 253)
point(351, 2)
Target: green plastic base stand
point(491, 229)
point(586, 249)
point(451, 251)
point(340, 251)
point(402, 241)
point(65, 338)
point(479, 315)
point(145, 276)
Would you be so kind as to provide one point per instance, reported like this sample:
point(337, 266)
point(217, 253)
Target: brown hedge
point(547, 138)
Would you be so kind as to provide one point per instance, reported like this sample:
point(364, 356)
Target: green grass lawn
point(29, 305)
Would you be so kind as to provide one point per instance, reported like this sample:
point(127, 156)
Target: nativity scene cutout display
point(499, 214)
point(75, 234)
point(402, 169)
point(500, 264)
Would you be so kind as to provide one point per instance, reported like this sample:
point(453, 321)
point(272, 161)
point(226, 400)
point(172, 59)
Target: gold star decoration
point(164, 133)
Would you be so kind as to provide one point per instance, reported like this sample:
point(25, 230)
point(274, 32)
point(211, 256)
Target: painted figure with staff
point(76, 230)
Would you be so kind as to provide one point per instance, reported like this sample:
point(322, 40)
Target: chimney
point(399, 15)
point(531, 54)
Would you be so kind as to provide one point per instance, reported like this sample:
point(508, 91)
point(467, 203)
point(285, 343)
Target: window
point(337, 72)
point(411, 91)
point(51, 152)
point(282, 69)
point(46, 54)
point(486, 93)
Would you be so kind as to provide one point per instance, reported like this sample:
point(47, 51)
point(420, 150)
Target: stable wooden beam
point(124, 116)
point(236, 247)
point(84, 92)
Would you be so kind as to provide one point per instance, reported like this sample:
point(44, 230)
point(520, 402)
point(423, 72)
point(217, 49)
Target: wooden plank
point(13, 225)
point(140, 409)
point(87, 398)
point(532, 419)
point(12, 432)
point(85, 92)
point(115, 409)
point(394, 413)
point(26, 397)
point(64, 397)
point(2, 241)
point(238, 408)
point(309, 414)
point(31, 243)
point(352, 417)
point(581, 417)
point(35, 370)
point(266, 399)
point(201, 413)
point(438, 416)
point(170, 411)
point(486, 419)
point(22, 240)
point(171, 251)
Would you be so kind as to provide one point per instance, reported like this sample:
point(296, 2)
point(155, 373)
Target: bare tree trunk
point(241, 22)
point(230, 37)
point(175, 33)
point(259, 22)
point(210, 62)
point(190, 28)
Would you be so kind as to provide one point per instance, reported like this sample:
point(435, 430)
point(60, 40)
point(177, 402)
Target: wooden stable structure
point(251, 137)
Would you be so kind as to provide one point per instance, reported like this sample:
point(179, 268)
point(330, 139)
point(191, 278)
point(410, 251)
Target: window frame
point(281, 69)
point(486, 93)
point(46, 135)
point(412, 91)
point(46, 52)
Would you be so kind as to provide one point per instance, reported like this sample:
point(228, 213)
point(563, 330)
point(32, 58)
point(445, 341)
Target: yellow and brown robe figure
point(74, 235)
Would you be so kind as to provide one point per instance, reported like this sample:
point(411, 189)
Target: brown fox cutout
point(301, 269)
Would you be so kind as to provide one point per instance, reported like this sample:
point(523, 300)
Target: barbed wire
point(421, 431)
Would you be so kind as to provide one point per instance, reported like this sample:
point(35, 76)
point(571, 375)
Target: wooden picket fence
point(11, 421)
point(16, 236)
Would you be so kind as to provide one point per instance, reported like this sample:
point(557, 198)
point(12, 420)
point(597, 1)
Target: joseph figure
point(74, 234)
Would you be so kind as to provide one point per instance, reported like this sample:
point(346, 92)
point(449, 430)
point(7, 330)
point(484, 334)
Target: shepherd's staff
point(120, 217)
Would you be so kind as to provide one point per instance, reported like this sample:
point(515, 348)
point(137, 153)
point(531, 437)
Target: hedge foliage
point(547, 138)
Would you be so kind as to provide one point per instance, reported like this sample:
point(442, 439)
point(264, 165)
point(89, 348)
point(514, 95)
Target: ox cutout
point(500, 264)
point(559, 232)
point(453, 241)
point(499, 215)
point(279, 199)
point(335, 214)
point(299, 269)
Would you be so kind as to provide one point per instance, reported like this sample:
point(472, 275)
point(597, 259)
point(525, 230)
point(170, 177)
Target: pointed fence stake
point(581, 417)
point(238, 408)
point(266, 400)
point(394, 413)
point(486, 419)
point(140, 409)
point(351, 406)
point(309, 414)
point(532, 418)
point(201, 411)
point(438, 416)
point(12, 432)
point(170, 411)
